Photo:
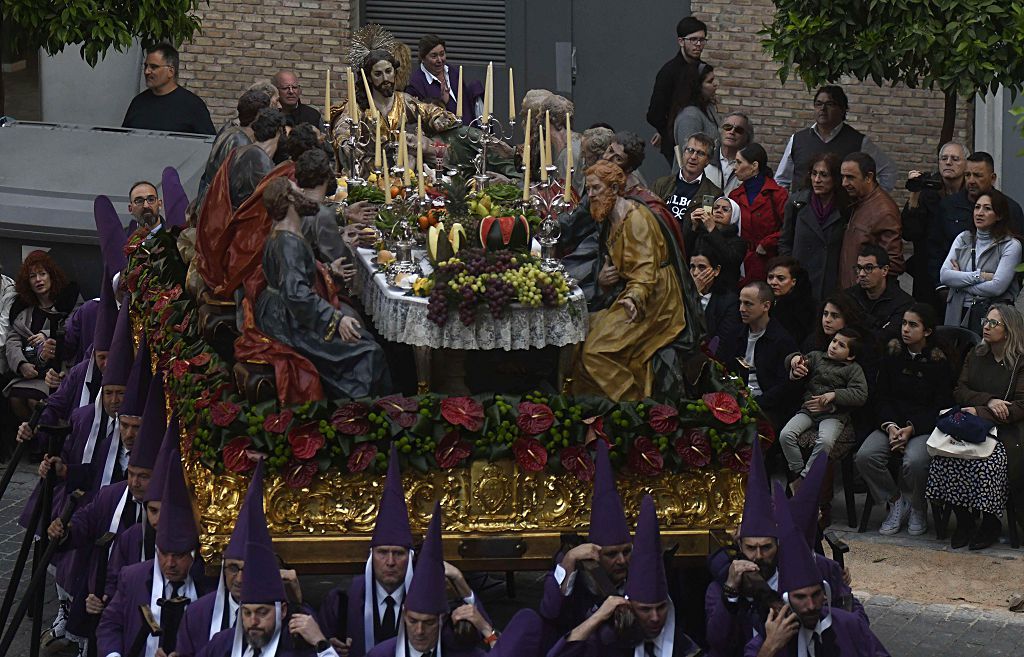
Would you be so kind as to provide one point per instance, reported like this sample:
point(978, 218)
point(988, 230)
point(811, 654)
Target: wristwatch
point(321, 646)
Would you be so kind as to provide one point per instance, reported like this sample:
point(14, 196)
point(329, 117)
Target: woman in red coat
point(762, 207)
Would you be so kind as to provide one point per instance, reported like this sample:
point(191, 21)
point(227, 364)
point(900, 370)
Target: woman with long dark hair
point(719, 301)
point(794, 304)
point(762, 206)
point(695, 111)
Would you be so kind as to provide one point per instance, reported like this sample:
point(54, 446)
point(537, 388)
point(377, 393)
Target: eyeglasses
point(291, 87)
point(697, 41)
point(738, 129)
point(142, 200)
point(233, 569)
point(828, 104)
point(991, 323)
point(867, 269)
point(153, 67)
point(695, 151)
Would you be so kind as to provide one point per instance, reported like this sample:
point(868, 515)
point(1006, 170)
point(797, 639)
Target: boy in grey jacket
point(835, 384)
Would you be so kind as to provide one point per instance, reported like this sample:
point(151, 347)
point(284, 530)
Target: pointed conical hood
point(804, 504)
point(392, 526)
point(647, 583)
point(607, 519)
point(757, 509)
point(175, 200)
point(122, 351)
point(796, 563)
point(262, 582)
point(240, 534)
point(106, 314)
point(111, 234)
point(140, 380)
point(427, 593)
point(177, 531)
point(168, 447)
point(153, 428)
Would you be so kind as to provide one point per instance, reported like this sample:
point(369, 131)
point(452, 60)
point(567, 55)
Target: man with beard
point(615, 362)
point(956, 211)
point(567, 601)
point(735, 604)
point(144, 204)
point(393, 108)
point(807, 624)
point(249, 164)
point(654, 630)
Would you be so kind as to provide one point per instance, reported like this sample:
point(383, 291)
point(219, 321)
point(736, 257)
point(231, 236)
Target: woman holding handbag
point(979, 269)
point(992, 388)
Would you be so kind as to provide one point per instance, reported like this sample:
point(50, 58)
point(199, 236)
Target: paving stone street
point(905, 627)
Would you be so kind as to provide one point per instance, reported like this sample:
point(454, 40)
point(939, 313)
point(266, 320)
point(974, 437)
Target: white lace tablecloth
point(402, 318)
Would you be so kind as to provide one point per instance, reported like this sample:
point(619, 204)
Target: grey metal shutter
point(474, 30)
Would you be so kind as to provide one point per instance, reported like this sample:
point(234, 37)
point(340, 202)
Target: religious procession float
point(456, 265)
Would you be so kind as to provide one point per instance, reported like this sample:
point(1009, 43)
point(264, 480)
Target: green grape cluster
point(536, 397)
point(254, 422)
point(412, 444)
point(502, 405)
point(326, 429)
point(503, 433)
point(281, 451)
point(380, 427)
point(697, 406)
point(618, 420)
point(718, 439)
point(426, 405)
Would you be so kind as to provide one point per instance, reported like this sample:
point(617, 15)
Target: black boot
point(964, 528)
point(988, 533)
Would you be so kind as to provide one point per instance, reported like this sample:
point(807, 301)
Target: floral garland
point(542, 433)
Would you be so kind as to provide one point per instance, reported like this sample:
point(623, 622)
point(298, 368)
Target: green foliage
point(958, 46)
point(96, 25)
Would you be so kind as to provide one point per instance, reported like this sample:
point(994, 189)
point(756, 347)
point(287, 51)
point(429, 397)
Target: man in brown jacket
point(875, 220)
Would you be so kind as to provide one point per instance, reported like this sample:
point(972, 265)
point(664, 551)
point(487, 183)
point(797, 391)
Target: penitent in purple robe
point(194, 633)
point(79, 331)
point(220, 645)
point(127, 550)
point(849, 636)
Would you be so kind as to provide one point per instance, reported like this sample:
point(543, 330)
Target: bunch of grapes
point(411, 444)
point(437, 306)
point(499, 294)
point(467, 302)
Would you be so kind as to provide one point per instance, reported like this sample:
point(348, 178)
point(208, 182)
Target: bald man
point(291, 100)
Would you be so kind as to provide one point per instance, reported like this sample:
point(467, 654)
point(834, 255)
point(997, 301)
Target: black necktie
point(176, 588)
point(649, 648)
point(130, 513)
point(816, 638)
point(387, 624)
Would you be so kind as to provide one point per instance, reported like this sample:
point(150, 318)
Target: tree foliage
point(96, 25)
point(960, 47)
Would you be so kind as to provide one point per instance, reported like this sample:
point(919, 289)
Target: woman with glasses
point(980, 266)
point(696, 109)
point(992, 388)
point(814, 222)
point(762, 205)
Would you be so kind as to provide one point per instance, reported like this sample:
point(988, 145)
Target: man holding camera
point(921, 216)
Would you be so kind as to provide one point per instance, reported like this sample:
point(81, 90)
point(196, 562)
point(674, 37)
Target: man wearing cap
point(116, 507)
point(165, 577)
point(373, 615)
point(807, 625)
point(733, 616)
point(566, 602)
point(654, 631)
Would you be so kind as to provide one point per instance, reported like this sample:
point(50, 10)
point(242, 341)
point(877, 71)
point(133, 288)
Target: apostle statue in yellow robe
point(648, 314)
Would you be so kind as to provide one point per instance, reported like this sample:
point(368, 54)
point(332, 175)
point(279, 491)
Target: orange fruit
point(396, 191)
point(424, 222)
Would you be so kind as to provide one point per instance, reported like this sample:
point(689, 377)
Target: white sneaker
point(898, 512)
point(918, 523)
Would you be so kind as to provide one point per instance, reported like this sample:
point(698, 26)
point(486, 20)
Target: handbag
point(941, 443)
point(964, 426)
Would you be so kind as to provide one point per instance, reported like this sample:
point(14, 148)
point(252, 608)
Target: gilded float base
point(496, 516)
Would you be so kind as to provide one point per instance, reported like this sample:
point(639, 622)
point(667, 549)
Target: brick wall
point(243, 41)
point(905, 123)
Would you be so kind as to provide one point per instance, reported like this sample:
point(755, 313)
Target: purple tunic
point(194, 633)
point(127, 550)
point(605, 642)
point(220, 644)
point(120, 622)
point(64, 400)
point(471, 91)
point(388, 648)
point(566, 612)
point(79, 331)
point(849, 636)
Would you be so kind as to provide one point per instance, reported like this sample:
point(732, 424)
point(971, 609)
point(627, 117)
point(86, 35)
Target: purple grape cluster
point(549, 295)
point(467, 305)
point(500, 293)
point(437, 306)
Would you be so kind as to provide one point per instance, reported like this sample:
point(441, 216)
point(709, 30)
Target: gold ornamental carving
point(481, 500)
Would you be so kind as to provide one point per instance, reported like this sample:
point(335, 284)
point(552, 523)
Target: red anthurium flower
point(577, 460)
point(595, 429)
point(200, 359)
point(362, 456)
point(663, 419)
point(352, 419)
point(534, 419)
point(183, 326)
point(723, 406)
point(645, 458)
point(694, 448)
point(224, 413)
point(305, 440)
point(765, 428)
point(236, 458)
point(298, 474)
point(179, 368)
point(464, 412)
point(452, 450)
point(402, 410)
point(277, 422)
point(530, 454)
point(738, 460)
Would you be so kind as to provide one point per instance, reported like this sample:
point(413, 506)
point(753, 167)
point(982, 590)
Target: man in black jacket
point(879, 297)
point(759, 354)
point(691, 35)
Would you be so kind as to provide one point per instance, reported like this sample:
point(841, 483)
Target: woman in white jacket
point(980, 268)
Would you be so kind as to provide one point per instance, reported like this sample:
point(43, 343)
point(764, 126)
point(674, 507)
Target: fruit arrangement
point(495, 280)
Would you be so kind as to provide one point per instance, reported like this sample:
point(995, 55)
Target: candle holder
point(490, 132)
point(355, 145)
point(548, 199)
